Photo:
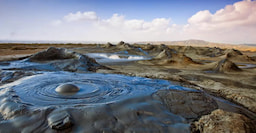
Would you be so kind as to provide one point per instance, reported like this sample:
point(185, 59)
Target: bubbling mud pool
point(94, 88)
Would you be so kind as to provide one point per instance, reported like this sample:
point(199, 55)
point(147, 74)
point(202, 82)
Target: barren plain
point(127, 88)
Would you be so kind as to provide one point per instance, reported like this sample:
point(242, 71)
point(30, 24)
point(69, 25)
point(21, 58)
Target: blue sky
point(179, 10)
point(152, 20)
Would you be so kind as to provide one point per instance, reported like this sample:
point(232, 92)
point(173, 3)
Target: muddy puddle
point(110, 58)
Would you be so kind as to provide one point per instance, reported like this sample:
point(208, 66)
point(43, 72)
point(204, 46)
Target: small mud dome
point(67, 89)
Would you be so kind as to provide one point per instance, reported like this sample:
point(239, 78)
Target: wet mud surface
point(122, 88)
point(102, 98)
point(94, 88)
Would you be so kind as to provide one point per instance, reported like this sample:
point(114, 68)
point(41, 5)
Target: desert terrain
point(127, 88)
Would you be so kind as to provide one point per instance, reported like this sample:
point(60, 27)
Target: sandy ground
point(192, 66)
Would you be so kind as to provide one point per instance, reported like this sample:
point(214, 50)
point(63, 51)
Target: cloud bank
point(235, 23)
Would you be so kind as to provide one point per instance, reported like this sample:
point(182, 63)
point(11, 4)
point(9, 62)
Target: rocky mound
point(189, 104)
point(220, 121)
point(237, 56)
point(63, 59)
point(225, 65)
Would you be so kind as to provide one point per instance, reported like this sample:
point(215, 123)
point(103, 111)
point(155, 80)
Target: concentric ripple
point(39, 90)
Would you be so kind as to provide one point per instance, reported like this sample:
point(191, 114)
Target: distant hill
point(202, 43)
point(250, 45)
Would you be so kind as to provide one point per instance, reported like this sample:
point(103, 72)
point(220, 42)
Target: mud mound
point(199, 51)
point(146, 46)
point(183, 59)
point(220, 121)
point(237, 56)
point(123, 45)
point(225, 65)
point(164, 55)
point(210, 52)
point(155, 48)
point(233, 52)
point(53, 53)
point(63, 59)
point(168, 56)
point(190, 49)
point(108, 45)
point(214, 52)
point(254, 58)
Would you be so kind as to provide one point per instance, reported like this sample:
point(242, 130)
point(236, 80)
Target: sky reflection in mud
point(113, 58)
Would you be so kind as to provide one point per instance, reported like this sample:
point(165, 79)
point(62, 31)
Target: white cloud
point(78, 16)
point(234, 22)
point(240, 14)
point(158, 24)
point(119, 21)
point(200, 17)
point(135, 24)
point(115, 21)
